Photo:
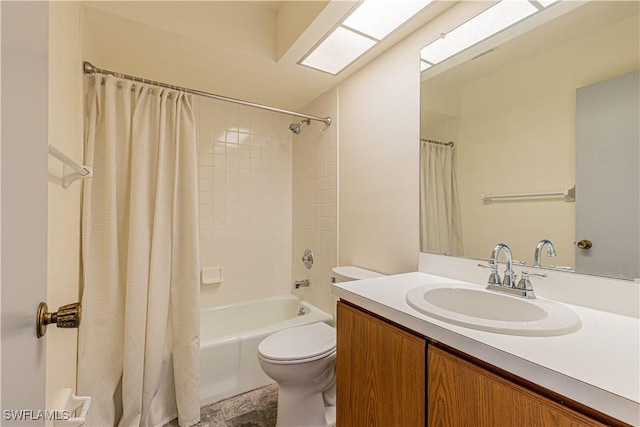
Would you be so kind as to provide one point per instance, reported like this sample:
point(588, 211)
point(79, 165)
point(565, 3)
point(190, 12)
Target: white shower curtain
point(139, 335)
point(440, 219)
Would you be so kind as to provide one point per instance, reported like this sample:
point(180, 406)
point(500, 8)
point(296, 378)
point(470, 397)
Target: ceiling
point(240, 49)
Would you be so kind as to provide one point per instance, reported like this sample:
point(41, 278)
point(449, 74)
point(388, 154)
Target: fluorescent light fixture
point(340, 49)
point(424, 65)
point(378, 18)
point(372, 21)
point(489, 22)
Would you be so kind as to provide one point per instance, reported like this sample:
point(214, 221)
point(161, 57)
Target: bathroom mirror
point(515, 112)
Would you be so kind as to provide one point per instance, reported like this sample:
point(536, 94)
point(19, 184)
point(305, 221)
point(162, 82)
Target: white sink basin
point(474, 307)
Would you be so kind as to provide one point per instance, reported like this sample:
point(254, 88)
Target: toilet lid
point(300, 342)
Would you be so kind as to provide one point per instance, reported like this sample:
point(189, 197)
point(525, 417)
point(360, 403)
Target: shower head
point(295, 127)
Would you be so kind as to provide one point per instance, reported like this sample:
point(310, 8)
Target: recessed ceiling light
point(338, 50)
point(378, 18)
point(489, 22)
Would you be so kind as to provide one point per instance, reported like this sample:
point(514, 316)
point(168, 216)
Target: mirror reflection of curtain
point(440, 219)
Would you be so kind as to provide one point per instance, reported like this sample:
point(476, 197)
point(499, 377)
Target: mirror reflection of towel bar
point(568, 195)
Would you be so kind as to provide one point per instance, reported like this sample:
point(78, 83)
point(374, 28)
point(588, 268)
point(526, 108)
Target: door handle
point(584, 244)
point(67, 316)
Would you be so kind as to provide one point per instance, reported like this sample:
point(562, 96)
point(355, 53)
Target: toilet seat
point(299, 344)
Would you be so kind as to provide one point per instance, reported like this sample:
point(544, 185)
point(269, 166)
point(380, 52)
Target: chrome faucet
point(301, 283)
point(509, 280)
point(551, 252)
point(508, 285)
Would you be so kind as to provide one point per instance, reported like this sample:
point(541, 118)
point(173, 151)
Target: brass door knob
point(584, 244)
point(67, 316)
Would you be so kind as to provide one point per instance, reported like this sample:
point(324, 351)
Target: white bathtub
point(229, 338)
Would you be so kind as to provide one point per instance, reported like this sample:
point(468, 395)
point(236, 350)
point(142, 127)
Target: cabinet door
point(463, 394)
point(380, 372)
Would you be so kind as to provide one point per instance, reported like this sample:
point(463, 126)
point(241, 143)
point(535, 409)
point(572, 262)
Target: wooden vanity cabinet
point(389, 376)
point(461, 393)
point(380, 372)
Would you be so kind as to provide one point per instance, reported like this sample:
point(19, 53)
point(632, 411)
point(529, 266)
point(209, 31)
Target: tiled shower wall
point(315, 202)
point(245, 180)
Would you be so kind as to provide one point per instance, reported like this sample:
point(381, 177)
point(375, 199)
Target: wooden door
point(380, 372)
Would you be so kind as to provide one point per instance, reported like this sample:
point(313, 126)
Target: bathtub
point(229, 338)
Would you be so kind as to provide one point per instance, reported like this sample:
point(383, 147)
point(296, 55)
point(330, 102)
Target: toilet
point(302, 361)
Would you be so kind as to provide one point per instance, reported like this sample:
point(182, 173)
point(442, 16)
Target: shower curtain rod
point(448, 144)
point(89, 68)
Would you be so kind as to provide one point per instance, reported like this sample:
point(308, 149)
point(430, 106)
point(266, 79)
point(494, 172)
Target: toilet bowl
point(302, 361)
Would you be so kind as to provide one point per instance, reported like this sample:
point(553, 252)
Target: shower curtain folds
point(139, 338)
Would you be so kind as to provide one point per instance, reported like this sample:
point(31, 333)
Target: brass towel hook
point(67, 316)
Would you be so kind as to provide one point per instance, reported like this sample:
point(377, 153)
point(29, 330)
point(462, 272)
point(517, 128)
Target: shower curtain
point(440, 220)
point(139, 335)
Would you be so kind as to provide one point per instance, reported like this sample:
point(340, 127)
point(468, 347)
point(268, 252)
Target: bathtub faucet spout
point(301, 283)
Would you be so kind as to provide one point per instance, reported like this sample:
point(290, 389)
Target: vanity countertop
point(598, 365)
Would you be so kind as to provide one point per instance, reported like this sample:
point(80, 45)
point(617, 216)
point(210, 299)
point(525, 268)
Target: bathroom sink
point(474, 307)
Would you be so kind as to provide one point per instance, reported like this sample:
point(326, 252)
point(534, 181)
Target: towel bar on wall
point(568, 195)
point(80, 171)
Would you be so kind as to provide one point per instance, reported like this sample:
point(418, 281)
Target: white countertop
point(598, 365)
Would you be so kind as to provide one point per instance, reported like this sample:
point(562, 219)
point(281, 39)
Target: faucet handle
point(494, 277)
point(525, 282)
point(539, 275)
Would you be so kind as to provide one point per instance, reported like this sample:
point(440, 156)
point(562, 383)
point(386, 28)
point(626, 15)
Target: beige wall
point(378, 137)
point(65, 132)
point(315, 197)
point(378, 163)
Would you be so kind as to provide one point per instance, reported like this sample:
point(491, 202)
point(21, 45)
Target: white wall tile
point(314, 203)
point(245, 157)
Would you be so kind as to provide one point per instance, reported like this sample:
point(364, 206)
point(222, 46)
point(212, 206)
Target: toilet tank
point(347, 273)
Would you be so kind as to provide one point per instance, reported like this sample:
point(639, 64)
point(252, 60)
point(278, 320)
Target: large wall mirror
point(548, 122)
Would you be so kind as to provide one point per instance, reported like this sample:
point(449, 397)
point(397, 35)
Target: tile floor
point(256, 408)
